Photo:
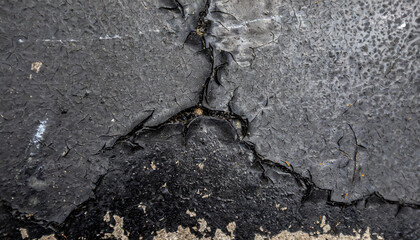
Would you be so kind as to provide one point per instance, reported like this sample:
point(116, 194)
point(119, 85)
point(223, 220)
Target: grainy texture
point(331, 87)
point(216, 119)
point(106, 66)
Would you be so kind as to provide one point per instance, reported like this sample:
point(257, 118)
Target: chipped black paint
point(204, 159)
point(160, 170)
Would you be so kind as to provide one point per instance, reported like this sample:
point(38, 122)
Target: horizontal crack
point(188, 115)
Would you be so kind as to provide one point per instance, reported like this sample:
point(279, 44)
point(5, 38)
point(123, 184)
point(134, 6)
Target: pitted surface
point(209, 119)
point(334, 93)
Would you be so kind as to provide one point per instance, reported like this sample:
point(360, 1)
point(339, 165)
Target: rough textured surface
point(330, 87)
point(196, 179)
point(106, 66)
point(209, 120)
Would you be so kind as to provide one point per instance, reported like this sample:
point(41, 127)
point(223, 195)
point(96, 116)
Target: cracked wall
point(160, 119)
point(98, 79)
point(330, 68)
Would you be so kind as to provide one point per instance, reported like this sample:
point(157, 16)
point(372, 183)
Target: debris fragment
point(190, 213)
point(325, 227)
point(142, 206)
point(24, 233)
point(119, 232)
point(107, 218)
point(198, 111)
point(153, 166)
point(36, 66)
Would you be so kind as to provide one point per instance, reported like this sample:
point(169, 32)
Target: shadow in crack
point(205, 170)
point(195, 169)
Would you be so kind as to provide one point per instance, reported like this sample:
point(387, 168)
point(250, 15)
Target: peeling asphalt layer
point(273, 115)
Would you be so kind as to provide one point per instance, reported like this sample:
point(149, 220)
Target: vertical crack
point(356, 146)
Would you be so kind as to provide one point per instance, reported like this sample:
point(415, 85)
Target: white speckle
point(142, 206)
point(153, 166)
point(112, 120)
point(107, 37)
point(39, 133)
point(59, 40)
point(402, 26)
point(51, 40)
point(245, 23)
point(151, 30)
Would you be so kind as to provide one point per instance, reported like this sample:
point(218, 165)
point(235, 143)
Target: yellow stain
point(198, 31)
point(363, 175)
point(198, 111)
point(287, 163)
point(347, 194)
